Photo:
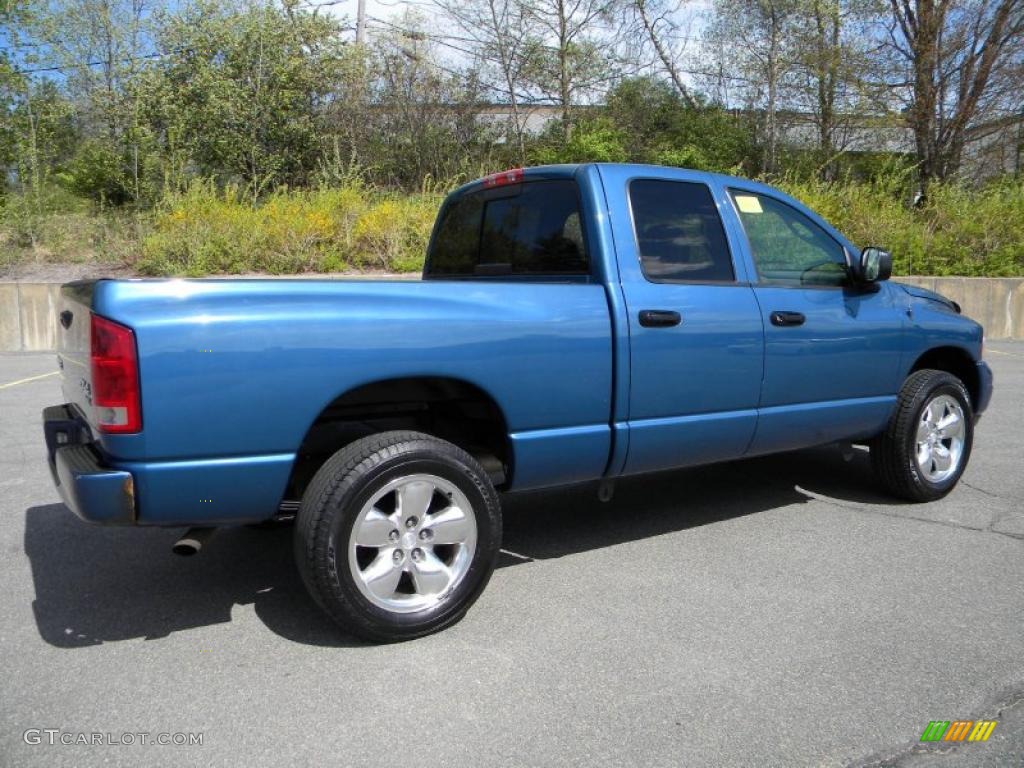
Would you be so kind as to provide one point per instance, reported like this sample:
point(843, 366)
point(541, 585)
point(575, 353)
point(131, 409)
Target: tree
point(961, 65)
point(659, 126)
point(100, 47)
point(575, 54)
point(833, 64)
point(13, 83)
point(241, 91)
point(424, 124)
point(42, 139)
point(754, 40)
point(502, 35)
point(657, 26)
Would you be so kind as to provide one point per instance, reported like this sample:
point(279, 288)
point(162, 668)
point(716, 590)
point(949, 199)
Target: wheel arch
point(450, 408)
point(956, 361)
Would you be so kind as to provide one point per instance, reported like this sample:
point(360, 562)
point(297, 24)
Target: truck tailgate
point(73, 342)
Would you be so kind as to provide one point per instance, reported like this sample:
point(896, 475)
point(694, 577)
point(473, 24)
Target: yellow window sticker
point(748, 204)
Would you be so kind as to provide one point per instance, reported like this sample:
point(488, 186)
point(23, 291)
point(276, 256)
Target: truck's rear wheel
point(927, 443)
point(397, 535)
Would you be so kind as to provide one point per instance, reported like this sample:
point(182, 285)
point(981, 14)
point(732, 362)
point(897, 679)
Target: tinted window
point(458, 237)
point(526, 229)
point(679, 232)
point(789, 248)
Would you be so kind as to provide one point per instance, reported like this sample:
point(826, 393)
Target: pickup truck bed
point(242, 369)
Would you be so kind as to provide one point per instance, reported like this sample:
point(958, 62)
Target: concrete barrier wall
point(28, 316)
point(28, 311)
point(995, 302)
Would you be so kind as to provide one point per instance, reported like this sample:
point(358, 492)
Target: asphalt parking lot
point(774, 612)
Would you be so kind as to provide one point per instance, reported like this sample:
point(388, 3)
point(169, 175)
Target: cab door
point(696, 342)
point(832, 348)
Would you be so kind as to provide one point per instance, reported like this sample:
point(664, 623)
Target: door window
point(787, 246)
point(679, 233)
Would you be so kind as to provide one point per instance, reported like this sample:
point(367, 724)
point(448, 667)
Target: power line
point(446, 42)
point(85, 64)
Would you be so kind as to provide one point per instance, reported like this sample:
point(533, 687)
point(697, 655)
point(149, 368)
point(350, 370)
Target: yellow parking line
point(1000, 352)
point(30, 378)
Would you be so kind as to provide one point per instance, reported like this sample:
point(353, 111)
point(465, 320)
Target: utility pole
point(361, 22)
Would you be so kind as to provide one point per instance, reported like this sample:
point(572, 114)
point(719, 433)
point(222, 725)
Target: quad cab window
point(679, 233)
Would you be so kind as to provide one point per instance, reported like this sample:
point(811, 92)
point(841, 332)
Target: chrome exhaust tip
point(192, 542)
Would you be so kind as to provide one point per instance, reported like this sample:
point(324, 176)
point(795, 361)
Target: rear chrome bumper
point(90, 490)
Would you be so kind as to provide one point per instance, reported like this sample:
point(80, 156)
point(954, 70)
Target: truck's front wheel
point(397, 535)
point(927, 443)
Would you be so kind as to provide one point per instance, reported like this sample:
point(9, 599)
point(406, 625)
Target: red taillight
point(513, 176)
point(115, 377)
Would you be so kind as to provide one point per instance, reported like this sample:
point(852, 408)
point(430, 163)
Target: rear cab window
point(529, 229)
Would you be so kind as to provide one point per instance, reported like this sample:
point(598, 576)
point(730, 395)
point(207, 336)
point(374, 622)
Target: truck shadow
point(96, 584)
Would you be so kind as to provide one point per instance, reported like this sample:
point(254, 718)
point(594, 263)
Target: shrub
point(956, 231)
point(53, 226)
point(687, 156)
point(594, 141)
point(393, 233)
point(96, 172)
point(206, 231)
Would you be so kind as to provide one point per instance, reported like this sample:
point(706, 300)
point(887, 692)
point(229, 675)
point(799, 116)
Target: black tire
point(331, 505)
point(893, 452)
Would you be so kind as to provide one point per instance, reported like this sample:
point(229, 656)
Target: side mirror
point(875, 265)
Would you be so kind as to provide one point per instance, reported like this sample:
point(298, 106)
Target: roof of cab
point(566, 171)
point(569, 170)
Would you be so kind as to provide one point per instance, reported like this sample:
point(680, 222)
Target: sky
point(384, 15)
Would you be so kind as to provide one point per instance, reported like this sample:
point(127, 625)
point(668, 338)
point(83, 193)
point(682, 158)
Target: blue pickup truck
point(574, 324)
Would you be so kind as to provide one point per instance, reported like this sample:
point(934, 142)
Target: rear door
point(696, 338)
